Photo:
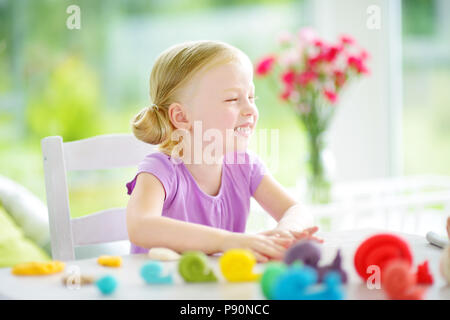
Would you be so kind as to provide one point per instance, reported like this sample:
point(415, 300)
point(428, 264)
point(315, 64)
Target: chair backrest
point(99, 152)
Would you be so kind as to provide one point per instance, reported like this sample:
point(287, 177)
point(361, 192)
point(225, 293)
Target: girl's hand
point(294, 235)
point(264, 247)
point(448, 227)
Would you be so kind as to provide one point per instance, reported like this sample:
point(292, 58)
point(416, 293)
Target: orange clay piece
point(110, 261)
point(37, 268)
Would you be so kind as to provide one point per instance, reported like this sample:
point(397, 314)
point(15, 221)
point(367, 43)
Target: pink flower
point(307, 35)
point(290, 57)
point(288, 77)
point(285, 37)
point(313, 61)
point(265, 65)
point(346, 39)
point(358, 64)
point(330, 95)
point(331, 54)
point(306, 77)
point(319, 43)
point(288, 90)
point(364, 55)
point(339, 78)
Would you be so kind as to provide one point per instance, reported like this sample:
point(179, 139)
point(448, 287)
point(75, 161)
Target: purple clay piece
point(305, 251)
point(335, 266)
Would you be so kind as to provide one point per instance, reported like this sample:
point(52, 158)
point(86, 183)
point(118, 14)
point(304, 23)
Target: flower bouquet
point(310, 74)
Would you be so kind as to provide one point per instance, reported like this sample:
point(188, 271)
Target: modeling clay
point(306, 251)
point(423, 274)
point(37, 268)
point(151, 272)
point(399, 282)
point(300, 284)
point(237, 265)
point(193, 267)
point(110, 261)
point(335, 266)
point(379, 250)
point(292, 284)
point(163, 254)
point(106, 284)
point(271, 273)
point(444, 266)
point(71, 280)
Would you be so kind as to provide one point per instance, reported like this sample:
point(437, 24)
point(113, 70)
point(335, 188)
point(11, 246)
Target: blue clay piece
point(292, 284)
point(335, 266)
point(301, 284)
point(106, 284)
point(151, 273)
point(305, 251)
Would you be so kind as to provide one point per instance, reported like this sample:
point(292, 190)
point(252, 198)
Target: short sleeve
point(257, 171)
point(159, 165)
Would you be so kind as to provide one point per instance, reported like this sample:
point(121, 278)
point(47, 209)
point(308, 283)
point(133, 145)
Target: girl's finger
point(286, 243)
point(259, 257)
point(311, 230)
point(271, 251)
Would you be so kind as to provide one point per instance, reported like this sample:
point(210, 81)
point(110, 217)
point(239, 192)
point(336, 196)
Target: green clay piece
point(269, 277)
point(193, 267)
point(297, 264)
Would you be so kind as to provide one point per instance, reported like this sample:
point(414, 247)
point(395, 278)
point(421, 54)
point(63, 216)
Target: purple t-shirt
point(185, 201)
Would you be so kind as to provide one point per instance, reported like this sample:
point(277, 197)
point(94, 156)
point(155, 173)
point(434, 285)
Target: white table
point(131, 286)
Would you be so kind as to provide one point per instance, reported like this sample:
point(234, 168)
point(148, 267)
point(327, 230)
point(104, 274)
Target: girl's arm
point(147, 228)
point(289, 214)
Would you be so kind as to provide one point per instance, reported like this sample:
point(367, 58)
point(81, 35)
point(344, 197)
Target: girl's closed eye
point(251, 98)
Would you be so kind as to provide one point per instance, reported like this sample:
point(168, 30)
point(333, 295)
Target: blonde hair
point(171, 72)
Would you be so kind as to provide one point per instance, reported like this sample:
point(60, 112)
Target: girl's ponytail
point(152, 125)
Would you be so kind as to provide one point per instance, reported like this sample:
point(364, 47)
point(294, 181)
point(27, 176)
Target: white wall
point(366, 134)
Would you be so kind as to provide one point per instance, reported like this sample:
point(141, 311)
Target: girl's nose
point(249, 109)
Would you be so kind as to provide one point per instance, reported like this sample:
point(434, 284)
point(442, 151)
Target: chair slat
point(103, 226)
point(105, 152)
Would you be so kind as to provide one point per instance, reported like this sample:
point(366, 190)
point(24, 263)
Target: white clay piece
point(445, 264)
point(163, 254)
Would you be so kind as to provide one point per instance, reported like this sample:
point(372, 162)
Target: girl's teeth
point(245, 130)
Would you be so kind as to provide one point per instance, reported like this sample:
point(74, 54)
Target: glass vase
point(319, 169)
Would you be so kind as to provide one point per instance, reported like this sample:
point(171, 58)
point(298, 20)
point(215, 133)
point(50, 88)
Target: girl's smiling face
point(223, 98)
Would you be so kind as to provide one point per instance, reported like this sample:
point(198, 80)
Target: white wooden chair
point(99, 152)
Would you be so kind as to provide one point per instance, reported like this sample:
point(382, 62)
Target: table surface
point(131, 285)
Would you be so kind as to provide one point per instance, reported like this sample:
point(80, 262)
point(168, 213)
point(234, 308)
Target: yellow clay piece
point(110, 261)
point(237, 265)
point(37, 268)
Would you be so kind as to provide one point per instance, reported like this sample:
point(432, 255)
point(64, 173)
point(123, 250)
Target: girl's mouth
point(244, 131)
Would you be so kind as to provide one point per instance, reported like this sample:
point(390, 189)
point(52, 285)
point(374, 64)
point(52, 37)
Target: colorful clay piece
point(110, 261)
point(193, 267)
point(237, 265)
point(37, 268)
point(107, 284)
point(444, 265)
point(399, 282)
point(271, 273)
point(151, 272)
point(292, 284)
point(71, 280)
point(306, 251)
point(423, 274)
point(163, 254)
point(379, 250)
point(335, 266)
point(300, 284)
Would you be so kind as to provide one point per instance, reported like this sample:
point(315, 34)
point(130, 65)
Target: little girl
point(179, 199)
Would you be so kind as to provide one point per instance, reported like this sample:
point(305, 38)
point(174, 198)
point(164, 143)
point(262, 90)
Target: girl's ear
point(178, 116)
